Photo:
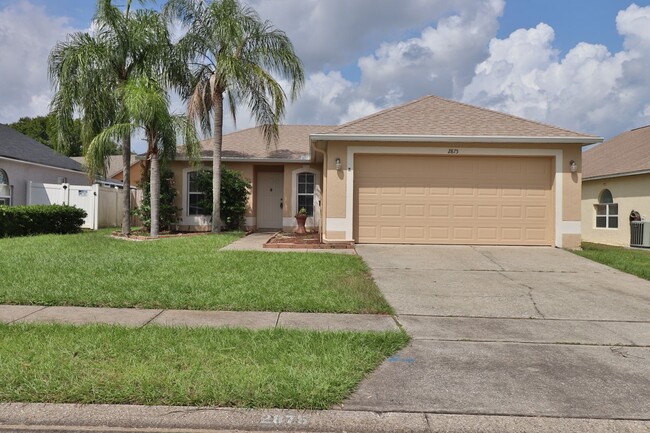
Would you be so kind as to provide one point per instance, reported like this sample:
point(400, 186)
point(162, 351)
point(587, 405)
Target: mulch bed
point(311, 240)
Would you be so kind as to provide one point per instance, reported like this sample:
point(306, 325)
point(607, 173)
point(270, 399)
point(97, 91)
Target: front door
point(270, 191)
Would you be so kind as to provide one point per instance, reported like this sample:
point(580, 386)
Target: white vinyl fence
point(102, 204)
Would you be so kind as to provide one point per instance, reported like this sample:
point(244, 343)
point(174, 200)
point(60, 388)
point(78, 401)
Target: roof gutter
point(609, 176)
point(456, 138)
point(254, 160)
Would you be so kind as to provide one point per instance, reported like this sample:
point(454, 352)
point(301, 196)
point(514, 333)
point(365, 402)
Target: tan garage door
point(453, 200)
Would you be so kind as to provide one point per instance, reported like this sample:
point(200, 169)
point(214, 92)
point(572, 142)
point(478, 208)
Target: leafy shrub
point(40, 219)
point(234, 196)
point(168, 210)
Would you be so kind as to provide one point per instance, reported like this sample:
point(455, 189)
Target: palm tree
point(146, 105)
point(234, 55)
point(89, 70)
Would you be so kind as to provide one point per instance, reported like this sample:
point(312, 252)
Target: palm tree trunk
point(126, 179)
point(154, 182)
point(216, 162)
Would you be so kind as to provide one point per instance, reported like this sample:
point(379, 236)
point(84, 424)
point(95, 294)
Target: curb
point(44, 417)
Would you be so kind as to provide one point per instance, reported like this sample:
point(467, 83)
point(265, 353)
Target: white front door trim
point(347, 225)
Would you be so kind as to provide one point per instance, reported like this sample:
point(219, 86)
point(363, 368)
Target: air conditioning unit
point(640, 234)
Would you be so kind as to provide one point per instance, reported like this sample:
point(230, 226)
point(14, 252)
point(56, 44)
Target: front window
point(194, 195)
point(606, 211)
point(5, 188)
point(306, 192)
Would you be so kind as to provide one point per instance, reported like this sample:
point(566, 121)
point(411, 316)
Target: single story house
point(616, 181)
point(431, 171)
point(23, 159)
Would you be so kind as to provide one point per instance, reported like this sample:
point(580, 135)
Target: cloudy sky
point(579, 64)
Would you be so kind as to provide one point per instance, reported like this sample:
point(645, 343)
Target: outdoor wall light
point(573, 165)
point(337, 163)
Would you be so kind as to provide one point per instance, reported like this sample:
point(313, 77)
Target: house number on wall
point(452, 151)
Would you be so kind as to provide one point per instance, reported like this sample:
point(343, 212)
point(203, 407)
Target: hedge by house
point(40, 219)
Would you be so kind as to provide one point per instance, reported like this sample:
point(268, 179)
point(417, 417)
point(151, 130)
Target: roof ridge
point(384, 111)
point(536, 122)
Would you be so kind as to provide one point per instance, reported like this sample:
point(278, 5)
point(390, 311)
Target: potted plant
point(301, 218)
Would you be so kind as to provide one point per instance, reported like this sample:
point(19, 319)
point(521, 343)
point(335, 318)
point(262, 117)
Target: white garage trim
point(346, 224)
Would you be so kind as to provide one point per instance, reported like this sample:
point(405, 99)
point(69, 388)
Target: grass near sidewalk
point(632, 261)
point(92, 269)
point(180, 366)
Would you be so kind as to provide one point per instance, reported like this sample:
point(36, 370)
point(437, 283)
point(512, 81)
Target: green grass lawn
point(632, 261)
point(180, 366)
point(93, 269)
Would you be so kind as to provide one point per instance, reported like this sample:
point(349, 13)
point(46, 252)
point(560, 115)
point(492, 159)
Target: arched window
point(606, 211)
point(306, 183)
point(5, 188)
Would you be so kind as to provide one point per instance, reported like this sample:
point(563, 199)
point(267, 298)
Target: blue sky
point(578, 64)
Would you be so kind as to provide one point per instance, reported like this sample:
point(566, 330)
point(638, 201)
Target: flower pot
point(301, 219)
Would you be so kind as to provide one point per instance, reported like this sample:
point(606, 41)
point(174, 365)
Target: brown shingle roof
point(434, 116)
point(626, 153)
point(293, 144)
point(114, 164)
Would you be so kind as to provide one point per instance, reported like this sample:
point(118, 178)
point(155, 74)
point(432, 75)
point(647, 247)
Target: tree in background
point(44, 130)
point(234, 55)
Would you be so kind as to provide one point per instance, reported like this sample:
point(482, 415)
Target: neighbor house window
point(306, 192)
point(5, 188)
point(194, 195)
point(606, 211)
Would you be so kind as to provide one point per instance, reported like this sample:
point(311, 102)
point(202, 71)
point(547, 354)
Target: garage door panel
point(452, 200)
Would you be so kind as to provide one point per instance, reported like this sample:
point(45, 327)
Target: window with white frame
point(606, 211)
point(5, 188)
point(194, 195)
point(306, 192)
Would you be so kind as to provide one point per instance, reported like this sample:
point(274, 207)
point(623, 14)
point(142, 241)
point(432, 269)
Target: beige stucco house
point(431, 171)
point(616, 181)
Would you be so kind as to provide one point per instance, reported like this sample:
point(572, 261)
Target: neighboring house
point(23, 159)
point(115, 168)
point(616, 181)
point(432, 171)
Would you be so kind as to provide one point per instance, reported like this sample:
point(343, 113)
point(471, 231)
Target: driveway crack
point(530, 294)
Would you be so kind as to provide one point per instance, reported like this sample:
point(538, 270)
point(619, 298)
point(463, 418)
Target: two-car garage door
point(453, 200)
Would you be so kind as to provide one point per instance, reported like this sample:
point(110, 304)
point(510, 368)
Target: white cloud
point(333, 33)
point(589, 89)
point(27, 35)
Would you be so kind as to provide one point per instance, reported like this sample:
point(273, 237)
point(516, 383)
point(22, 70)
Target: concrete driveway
point(511, 331)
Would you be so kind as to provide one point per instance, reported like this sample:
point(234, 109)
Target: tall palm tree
point(146, 105)
point(234, 55)
point(88, 71)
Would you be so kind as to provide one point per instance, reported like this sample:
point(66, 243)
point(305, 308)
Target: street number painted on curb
point(453, 151)
point(284, 419)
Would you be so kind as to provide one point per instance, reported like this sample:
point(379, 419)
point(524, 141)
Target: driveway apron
point(510, 331)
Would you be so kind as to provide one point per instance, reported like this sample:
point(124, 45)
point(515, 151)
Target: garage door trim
point(346, 224)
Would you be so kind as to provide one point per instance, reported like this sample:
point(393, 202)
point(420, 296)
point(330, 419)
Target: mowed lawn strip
point(632, 261)
point(180, 366)
point(92, 269)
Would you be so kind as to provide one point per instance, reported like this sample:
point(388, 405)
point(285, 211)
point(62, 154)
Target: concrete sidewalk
point(39, 417)
point(193, 318)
